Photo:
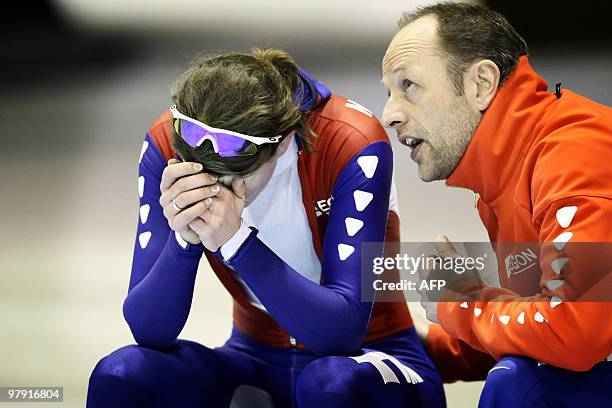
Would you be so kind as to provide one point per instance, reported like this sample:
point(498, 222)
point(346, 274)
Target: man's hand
point(221, 220)
point(191, 191)
point(445, 249)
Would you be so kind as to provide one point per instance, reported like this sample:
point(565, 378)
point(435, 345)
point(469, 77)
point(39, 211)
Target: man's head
point(441, 71)
point(251, 94)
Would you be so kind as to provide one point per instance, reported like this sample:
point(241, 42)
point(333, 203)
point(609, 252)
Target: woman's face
point(257, 181)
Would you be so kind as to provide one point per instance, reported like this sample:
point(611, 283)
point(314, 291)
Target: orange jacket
point(542, 166)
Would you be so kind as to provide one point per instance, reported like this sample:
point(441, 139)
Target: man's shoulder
point(572, 153)
point(574, 112)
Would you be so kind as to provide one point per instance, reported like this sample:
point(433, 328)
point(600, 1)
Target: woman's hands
point(209, 213)
point(221, 220)
point(191, 191)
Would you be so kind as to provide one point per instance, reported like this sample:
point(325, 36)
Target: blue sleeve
point(329, 318)
point(163, 272)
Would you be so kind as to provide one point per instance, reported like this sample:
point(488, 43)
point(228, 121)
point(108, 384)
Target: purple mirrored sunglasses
point(225, 142)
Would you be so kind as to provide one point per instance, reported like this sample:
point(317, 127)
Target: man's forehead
point(417, 39)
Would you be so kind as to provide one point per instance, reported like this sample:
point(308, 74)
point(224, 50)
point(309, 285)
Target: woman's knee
point(322, 374)
point(132, 375)
point(143, 365)
point(350, 382)
point(116, 380)
point(126, 362)
point(337, 381)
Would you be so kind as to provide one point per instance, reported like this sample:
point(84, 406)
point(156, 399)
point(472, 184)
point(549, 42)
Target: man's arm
point(552, 326)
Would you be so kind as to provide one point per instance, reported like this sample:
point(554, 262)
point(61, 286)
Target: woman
point(279, 182)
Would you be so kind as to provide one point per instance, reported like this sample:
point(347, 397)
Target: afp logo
point(517, 263)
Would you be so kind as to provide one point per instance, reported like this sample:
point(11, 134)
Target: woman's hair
point(254, 94)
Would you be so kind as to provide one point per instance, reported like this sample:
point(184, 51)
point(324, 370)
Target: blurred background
point(80, 82)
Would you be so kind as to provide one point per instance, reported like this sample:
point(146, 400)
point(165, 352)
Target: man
point(464, 98)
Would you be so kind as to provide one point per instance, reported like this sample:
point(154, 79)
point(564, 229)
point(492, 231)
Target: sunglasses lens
point(190, 132)
point(232, 146)
point(228, 145)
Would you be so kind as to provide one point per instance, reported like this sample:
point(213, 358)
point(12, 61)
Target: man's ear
point(481, 82)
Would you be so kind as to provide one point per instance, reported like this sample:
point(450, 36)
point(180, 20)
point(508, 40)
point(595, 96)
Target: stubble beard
point(449, 142)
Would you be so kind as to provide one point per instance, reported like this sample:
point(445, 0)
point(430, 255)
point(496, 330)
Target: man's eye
point(407, 84)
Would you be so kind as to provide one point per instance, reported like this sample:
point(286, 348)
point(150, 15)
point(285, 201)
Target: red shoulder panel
point(161, 133)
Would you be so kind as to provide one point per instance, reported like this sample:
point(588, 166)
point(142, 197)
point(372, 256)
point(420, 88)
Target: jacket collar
point(311, 93)
point(504, 132)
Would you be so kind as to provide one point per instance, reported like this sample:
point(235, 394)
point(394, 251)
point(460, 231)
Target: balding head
point(419, 38)
point(468, 33)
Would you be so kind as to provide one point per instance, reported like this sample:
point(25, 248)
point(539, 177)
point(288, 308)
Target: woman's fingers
point(187, 183)
point(175, 170)
point(187, 198)
point(183, 218)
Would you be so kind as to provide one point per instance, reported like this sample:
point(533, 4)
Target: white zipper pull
point(292, 341)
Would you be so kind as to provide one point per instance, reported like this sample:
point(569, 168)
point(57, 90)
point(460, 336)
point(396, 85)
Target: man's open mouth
point(413, 142)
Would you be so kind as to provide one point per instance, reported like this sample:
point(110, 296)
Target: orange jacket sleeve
point(567, 324)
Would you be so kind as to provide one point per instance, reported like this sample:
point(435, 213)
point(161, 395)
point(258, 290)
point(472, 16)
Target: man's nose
point(392, 115)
